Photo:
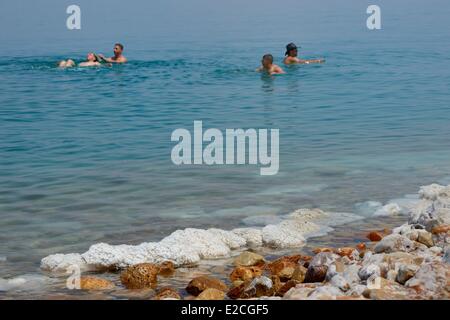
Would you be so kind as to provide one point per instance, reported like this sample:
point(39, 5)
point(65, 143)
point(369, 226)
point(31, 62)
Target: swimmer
point(291, 56)
point(268, 66)
point(66, 64)
point(118, 55)
point(92, 60)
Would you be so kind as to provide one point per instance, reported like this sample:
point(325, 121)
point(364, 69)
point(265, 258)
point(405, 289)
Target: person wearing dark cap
point(291, 56)
point(268, 66)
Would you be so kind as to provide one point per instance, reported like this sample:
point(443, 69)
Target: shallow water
point(85, 153)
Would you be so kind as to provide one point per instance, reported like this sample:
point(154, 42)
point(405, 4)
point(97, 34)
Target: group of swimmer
point(94, 60)
point(267, 65)
point(291, 57)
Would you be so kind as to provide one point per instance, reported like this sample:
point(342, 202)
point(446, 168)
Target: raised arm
point(311, 61)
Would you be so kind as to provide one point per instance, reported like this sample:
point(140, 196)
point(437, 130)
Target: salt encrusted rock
point(291, 232)
point(393, 243)
point(431, 279)
point(434, 209)
point(446, 257)
point(433, 191)
point(140, 276)
point(340, 282)
point(231, 239)
point(252, 236)
point(350, 274)
point(300, 291)
point(200, 284)
point(425, 238)
point(390, 209)
point(208, 245)
point(326, 292)
point(95, 283)
point(249, 259)
point(406, 272)
point(387, 290)
point(282, 236)
point(63, 262)
point(369, 271)
point(324, 259)
point(211, 294)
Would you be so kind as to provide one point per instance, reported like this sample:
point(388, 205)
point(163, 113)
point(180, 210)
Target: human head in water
point(267, 61)
point(118, 49)
point(91, 57)
point(291, 50)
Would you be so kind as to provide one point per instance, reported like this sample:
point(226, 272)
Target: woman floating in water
point(92, 61)
point(291, 56)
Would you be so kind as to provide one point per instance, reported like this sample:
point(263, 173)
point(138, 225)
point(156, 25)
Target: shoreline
point(344, 247)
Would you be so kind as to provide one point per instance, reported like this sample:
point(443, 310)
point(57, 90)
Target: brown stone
point(211, 294)
point(167, 293)
point(140, 276)
point(316, 273)
point(319, 250)
point(444, 228)
point(200, 284)
point(286, 287)
point(374, 236)
point(245, 273)
point(249, 259)
point(283, 268)
point(345, 252)
point(361, 246)
point(94, 283)
point(166, 268)
point(299, 273)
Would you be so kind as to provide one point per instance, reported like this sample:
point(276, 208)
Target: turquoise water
point(85, 153)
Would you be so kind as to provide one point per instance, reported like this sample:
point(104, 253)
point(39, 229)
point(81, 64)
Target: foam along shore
point(189, 246)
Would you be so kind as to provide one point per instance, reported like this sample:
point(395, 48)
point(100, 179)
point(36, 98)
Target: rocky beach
point(402, 252)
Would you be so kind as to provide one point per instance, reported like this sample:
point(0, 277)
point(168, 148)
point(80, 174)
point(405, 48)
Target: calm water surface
point(85, 153)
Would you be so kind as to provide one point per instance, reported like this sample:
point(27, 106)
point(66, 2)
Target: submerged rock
point(291, 232)
point(249, 259)
point(95, 283)
point(200, 284)
point(166, 269)
point(211, 294)
point(167, 293)
point(140, 276)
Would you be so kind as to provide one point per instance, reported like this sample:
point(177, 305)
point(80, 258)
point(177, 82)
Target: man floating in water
point(118, 55)
point(268, 66)
point(291, 56)
point(92, 60)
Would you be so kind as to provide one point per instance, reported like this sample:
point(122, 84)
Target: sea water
point(85, 154)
